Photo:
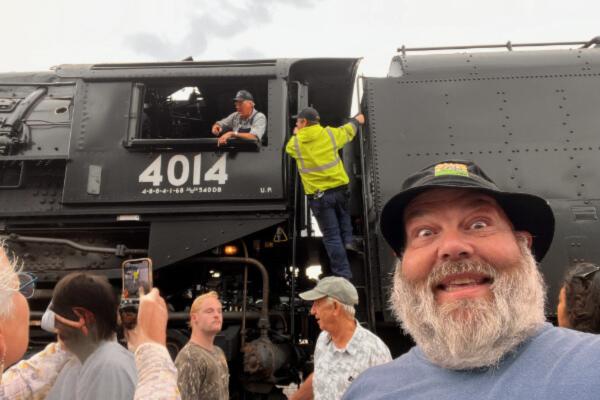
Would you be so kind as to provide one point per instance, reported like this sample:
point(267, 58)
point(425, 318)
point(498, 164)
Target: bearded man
point(468, 290)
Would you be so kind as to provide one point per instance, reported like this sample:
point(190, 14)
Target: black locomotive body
point(100, 163)
point(105, 162)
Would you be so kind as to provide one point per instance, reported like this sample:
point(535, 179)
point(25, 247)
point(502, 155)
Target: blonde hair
point(200, 299)
point(9, 280)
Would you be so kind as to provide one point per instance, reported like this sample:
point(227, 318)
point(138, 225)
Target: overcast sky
point(42, 33)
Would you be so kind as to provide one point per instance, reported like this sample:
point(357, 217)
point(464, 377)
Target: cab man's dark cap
point(526, 212)
point(309, 114)
point(243, 95)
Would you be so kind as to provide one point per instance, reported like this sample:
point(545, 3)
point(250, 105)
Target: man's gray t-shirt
point(108, 373)
point(256, 124)
point(554, 364)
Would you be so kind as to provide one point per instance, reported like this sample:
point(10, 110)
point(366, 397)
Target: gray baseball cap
point(333, 286)
point(243, 95)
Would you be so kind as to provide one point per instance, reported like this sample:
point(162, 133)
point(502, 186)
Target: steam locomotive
point(106, 162)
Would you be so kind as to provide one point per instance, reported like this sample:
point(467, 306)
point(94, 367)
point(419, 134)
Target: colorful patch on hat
point(451, 169)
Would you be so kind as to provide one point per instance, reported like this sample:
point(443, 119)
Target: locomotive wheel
point(176, 339)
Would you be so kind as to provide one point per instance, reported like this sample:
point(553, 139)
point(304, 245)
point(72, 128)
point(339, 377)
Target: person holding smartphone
point(157, 375)
point(144, 318)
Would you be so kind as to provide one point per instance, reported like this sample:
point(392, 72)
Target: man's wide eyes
point(424, 232)
point(478, 225)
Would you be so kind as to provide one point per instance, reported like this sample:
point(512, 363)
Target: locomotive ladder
point(368, 285)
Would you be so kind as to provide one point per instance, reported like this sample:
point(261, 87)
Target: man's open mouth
point(462, 281)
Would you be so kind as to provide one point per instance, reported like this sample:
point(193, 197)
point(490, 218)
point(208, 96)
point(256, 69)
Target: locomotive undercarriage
point(252, 277)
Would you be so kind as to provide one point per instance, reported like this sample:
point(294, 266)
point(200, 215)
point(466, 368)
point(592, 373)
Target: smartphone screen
point(136, 273)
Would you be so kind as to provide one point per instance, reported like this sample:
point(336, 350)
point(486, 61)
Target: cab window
point(171, 114)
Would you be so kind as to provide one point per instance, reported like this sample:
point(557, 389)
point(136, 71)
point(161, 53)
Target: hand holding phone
point(152, 321)
point(136, 274)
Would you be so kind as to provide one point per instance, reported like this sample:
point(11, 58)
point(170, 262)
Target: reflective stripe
point(323, 167)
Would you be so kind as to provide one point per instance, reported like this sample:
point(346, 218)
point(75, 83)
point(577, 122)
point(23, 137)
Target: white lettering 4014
point(178, 171)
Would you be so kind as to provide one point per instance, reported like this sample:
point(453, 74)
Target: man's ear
point(336, 307)
point(525, 236)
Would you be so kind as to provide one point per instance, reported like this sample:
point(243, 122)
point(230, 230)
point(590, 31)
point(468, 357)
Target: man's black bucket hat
point(526, 212)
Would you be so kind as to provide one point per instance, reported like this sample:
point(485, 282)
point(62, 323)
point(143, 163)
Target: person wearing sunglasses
point(32, 378)
point(85, 319)
point(579, 298)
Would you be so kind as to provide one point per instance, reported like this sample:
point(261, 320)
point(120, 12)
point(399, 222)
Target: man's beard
point(472, 333)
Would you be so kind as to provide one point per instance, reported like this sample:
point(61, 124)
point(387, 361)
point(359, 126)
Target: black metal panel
point(330, 83)
point(40, 191)
point(174, 240)
point(44, 129)
point(267, 68)
point(499, 65)
point(531, 130)
point(101, 125)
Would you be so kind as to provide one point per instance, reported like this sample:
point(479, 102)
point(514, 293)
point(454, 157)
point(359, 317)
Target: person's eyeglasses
point(587, 272)
point(27, 284)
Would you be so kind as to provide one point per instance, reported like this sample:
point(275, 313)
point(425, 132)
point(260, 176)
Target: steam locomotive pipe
point(263, 322)
point(294, 257)
point(181, 316)
point(120, 250)
point(244, 296)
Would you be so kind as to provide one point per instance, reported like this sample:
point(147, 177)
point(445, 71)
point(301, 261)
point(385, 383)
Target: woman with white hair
point(33, 378)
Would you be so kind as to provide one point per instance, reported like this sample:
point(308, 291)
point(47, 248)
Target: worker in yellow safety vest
point(316, 150)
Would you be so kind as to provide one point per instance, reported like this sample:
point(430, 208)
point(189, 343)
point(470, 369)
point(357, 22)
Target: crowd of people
point(467, 287)
point(85, 362)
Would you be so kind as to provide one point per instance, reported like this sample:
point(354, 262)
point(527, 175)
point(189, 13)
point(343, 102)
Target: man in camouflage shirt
point(344, 349)
point(202, 366)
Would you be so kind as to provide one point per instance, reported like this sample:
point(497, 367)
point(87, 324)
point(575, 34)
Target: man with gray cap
point(316, 150)
point(344, 348)
point(245, 123)
point(468, 290)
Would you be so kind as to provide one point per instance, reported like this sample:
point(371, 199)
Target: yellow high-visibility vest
point(316, 150)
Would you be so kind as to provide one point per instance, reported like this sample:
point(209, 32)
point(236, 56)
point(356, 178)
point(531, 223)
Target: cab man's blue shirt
point(556, 363)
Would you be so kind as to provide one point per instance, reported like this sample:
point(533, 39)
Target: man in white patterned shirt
point(344, 349)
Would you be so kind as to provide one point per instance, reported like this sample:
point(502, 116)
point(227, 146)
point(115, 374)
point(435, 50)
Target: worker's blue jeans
point(331, 213)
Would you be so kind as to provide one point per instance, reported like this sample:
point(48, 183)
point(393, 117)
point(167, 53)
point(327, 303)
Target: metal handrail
point(119, 250)
point(508, 45)
point(370, 307)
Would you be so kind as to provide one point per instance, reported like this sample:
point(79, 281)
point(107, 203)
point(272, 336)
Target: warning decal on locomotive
point(183, 174)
